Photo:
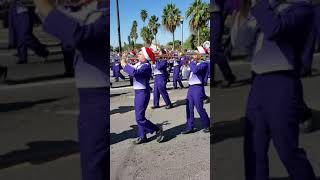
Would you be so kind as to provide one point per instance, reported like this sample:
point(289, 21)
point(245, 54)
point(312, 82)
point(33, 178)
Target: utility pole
point(119, 34)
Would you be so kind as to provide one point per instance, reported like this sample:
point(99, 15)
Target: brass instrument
point(168, 57)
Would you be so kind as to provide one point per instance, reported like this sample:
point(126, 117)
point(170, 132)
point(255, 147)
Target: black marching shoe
point(206, 130)
point(140, 140)
point(22, 62)
point(155, 107)
point(160, 136)
point(188, 131)
point(306, 126)
point(4, 72)
point(207, 99)
point(169, 106)
point(68, 74)
point(306, 72)
point(227, 83)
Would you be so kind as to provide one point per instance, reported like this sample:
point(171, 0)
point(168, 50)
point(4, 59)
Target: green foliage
point(146, 35)
point(171, 19)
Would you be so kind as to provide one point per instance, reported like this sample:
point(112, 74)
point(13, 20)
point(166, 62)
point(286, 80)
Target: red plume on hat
point(133, 53)
point(202, 50)
point(148, 54)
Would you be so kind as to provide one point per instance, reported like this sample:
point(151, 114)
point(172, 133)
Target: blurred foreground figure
point(275, 104)
point(86, 30)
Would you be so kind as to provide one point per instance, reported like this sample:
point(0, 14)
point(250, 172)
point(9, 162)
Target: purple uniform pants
point(176, 77)
point(195, 98)
point(141, 101)
point(25, 38)
point(275, 107)
point(160, 84)
point(219, 57)
point(94, 127)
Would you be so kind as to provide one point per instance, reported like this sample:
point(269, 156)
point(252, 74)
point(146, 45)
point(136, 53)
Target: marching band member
point(176, 71)
point(219, 8)
point(203, 50)
point(141, 74)
point(160, 81)
point(314, 36)
point(196, 95)
point(87, 32)
point(20, 32)
point(275, 104)
point(68, 52)
point(117, 70)
point(307, 59)
point(208, 71)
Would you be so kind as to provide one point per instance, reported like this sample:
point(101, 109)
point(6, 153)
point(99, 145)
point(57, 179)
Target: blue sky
point(130, 11)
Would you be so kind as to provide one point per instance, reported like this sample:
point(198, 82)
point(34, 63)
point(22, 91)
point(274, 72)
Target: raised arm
point(288, 20)
point(145, 70)
point(72, 33)
point(161, 65)
point(197, 68)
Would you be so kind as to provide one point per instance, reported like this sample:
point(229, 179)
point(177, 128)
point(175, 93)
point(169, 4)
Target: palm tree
point(154, 25)
point(198, 12)
point(129, 42)
point(146, 35)
point(133, 32)
point(143, 15)
point(171, 19)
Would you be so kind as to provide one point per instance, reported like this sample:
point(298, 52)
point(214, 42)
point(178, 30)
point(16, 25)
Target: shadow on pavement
point(122, 109)
point(179, 103)
point(131, 134)
point(39, 152)
point(35, 79)
point(127, 134)
point(227, 129)
point(22, 105)
point(175, 131)
point(121, 86)
point(118, 94)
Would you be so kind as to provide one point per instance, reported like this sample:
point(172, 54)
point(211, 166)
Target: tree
point(129, 42)
point(146, 35)
point(154, 25)
point(199, 15)
point(143, 15)
point(177, 44)
point(133, 33)
point(116, 49)
point(192, 41)
point(171, 19)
